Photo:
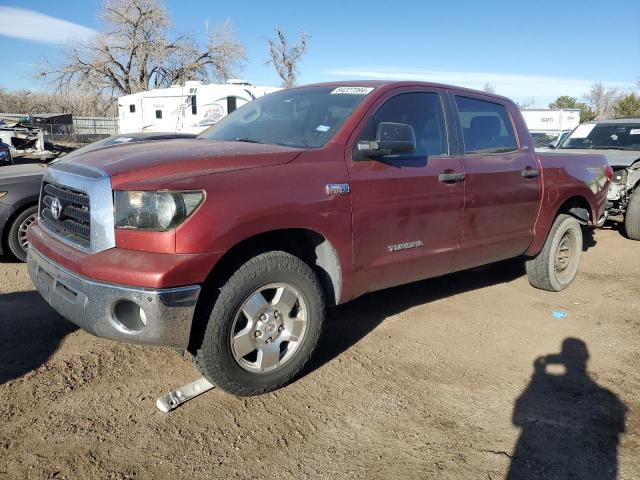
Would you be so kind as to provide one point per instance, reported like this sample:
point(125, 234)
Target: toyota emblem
point(56, 208)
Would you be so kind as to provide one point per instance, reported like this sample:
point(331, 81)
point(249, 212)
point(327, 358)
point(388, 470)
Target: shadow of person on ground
point(30, 332)
point(570, 425)
point(349, 323)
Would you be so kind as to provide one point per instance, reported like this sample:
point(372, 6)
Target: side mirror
point(552, 145)
point(391, 139)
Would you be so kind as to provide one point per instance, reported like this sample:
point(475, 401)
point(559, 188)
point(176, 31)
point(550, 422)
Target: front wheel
point(17, 239)
point(555, 267)
point(264, 325)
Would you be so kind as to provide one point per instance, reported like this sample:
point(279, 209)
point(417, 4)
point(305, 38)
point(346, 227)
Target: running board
point(175, 398)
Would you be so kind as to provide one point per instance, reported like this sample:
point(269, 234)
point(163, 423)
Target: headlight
point(156, 211)
point(620, 176)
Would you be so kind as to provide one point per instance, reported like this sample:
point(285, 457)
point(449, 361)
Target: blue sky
point(530, 49)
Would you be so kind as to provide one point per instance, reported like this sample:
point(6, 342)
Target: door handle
point(530, 172)
point(451, 177)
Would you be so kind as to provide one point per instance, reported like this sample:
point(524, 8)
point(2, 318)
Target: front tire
point(17, 239)
point(556, 266)
point(264, 325)
point(632, 216)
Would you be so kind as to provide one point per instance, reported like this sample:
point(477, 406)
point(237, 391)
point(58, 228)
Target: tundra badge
point(405, 246)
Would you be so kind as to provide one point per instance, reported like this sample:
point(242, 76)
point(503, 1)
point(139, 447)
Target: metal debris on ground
point(175, 398)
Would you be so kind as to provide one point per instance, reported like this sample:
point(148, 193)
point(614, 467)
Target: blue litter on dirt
point(559, 314)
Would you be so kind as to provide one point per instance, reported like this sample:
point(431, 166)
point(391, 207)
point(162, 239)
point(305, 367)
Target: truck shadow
point(588, 239)
point(30, 332)
point(347, 324)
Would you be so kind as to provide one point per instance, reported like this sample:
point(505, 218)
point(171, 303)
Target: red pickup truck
point(231, 245)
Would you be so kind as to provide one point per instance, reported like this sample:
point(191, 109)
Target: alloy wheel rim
point(22, 231)
point(269, 327)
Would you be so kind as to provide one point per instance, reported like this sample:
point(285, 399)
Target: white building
point(190, 108)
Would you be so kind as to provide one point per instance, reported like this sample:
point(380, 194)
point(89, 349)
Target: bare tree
point(286, 57)
point(29, 102)
point(137, 50)
point(489, 87)
point(602, 100)
point(527, 103)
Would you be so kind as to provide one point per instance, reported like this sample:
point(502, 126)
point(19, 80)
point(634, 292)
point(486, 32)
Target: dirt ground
point(430, 380)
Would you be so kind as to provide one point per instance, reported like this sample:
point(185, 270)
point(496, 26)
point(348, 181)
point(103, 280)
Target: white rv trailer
point(190, 108)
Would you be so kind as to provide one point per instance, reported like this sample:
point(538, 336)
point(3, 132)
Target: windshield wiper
point(246, 140)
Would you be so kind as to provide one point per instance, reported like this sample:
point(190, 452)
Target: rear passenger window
point(486, 126)
point(424, 112)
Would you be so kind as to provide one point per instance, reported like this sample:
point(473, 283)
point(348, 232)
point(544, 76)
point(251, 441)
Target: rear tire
point(556, 266)
point(17, 239)
point(632, 217)
point(263, 327)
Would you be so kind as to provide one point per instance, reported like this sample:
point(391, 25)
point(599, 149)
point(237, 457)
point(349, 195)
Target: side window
point(158, 113)
point(231, 104)
point(132, 108)
point(486, 126)
point(194, 105)
point(424, 112)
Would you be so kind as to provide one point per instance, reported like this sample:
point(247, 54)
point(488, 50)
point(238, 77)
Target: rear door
point(502, 183)
point(406, 221)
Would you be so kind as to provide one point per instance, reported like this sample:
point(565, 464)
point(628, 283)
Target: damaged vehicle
point(5, 154)
point(619, 141)
point(21, 137)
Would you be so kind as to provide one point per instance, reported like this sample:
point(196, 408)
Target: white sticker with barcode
point(634, 131)
point(352, 90)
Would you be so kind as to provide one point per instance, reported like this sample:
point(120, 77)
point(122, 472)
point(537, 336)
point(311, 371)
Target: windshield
point(616, 136)
point(541, 139)
point(305, 117)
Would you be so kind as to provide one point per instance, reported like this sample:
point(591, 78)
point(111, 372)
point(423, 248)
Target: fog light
point(129, 315)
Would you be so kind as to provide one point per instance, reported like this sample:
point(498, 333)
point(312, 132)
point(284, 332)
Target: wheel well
point(579, 208)
point(10, 220)
point(308, 245)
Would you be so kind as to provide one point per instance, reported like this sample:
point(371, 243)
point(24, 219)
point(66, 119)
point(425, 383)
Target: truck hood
point(149, 165)
point(11, 172)
point(616, 158)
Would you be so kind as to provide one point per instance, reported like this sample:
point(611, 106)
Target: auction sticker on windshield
point(352, 90)
point(583, 131)
point(634, 131)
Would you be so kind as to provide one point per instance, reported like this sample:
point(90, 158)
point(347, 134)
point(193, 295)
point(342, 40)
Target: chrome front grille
point(70, 218)
point(82, 199)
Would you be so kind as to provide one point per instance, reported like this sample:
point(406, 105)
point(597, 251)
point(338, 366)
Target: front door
point(502, 184)
point(407, 209)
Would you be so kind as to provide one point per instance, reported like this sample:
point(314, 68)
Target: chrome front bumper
point(128, 314)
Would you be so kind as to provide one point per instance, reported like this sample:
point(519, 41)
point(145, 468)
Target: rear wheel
point(556, 266)
point(263, 326)
point(17, 239)
point(632, 217)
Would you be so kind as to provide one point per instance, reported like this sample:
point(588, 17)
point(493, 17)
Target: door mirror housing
point(552, 145)
point(391, 139)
